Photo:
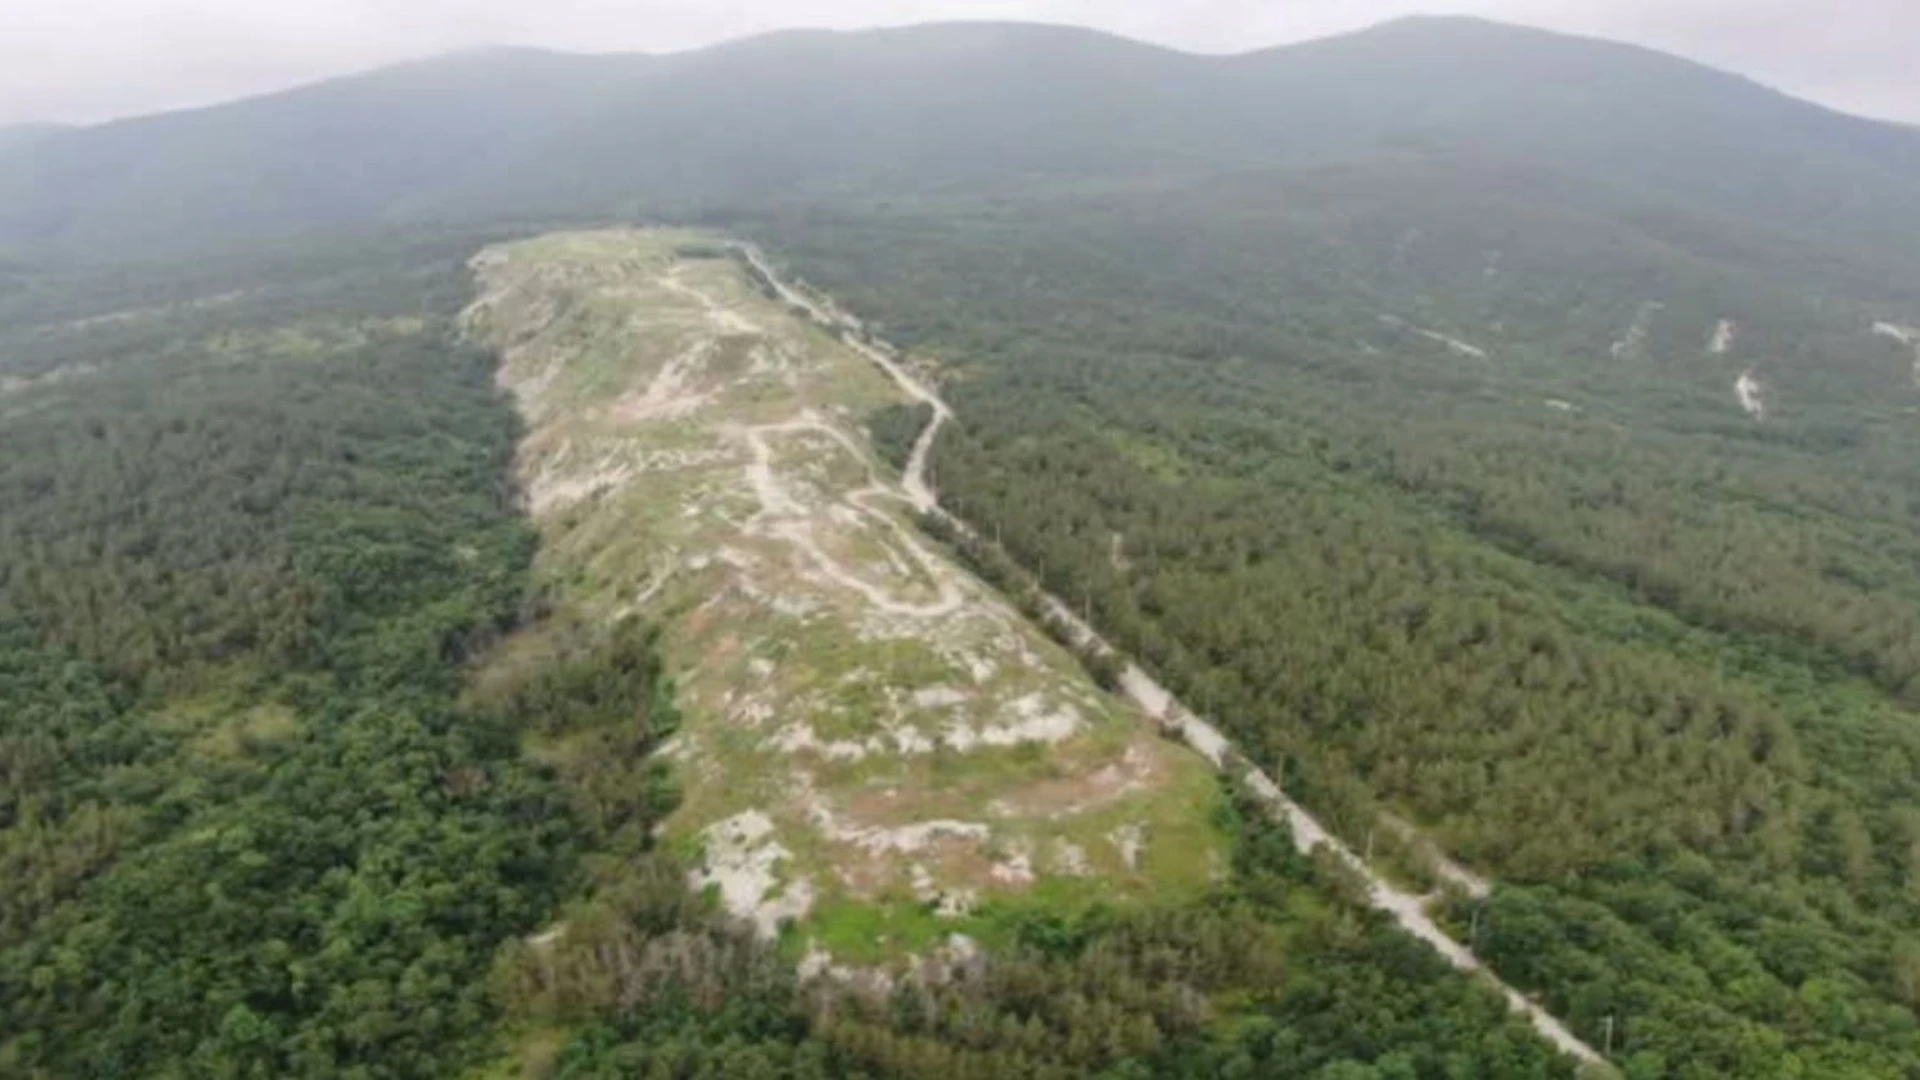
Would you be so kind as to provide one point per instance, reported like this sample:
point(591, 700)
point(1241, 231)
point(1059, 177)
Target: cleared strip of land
point(878, 749)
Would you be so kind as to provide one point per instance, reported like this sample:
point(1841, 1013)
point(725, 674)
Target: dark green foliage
point(1644, 656)
point(594, 678)
point(601, 694)
point(330, 919)
point(1699, 976)
point(227, 508)
point(1653, 663)
point(1259, 980)
point(895, 429)
point(246, 828)
point(70, 758)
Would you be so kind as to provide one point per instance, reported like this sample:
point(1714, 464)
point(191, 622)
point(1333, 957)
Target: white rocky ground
point(1751, 393)
point(1905, 335)
point(1633, 343)
point(1722, 340)
point(1453, 344)
point(866, 722)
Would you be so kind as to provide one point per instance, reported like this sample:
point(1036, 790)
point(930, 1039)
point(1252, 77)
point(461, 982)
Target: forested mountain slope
point(351, 150)
point(1443, 497)
point(949, 109)
point(244, 548)
point(20, 134)
point(1617, 115)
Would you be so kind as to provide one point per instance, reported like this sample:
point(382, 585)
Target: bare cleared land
point(878, 748)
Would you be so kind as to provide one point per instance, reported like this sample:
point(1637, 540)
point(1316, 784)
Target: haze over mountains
point(20, 134)
point(944, 110)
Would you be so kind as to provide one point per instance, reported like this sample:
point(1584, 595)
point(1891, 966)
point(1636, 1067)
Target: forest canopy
point(1466, 524)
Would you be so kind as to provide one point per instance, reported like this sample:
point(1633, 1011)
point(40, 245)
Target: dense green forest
point(263, 816)
point(1379, 394)
point(247, 830)
point(1547, 591)
point(1646, 658)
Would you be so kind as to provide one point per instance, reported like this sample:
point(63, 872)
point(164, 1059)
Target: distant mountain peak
point(963, 107)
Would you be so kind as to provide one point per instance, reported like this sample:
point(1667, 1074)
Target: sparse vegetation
point(875, 746)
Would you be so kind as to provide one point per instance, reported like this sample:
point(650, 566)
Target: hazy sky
point(84, 60)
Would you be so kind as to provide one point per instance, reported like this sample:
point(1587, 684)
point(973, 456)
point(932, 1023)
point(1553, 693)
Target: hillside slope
point(950, 109)
point(1620, 116)
point(349, 151)
point(1508, 440)
point(1590, 555)
point(12, 135)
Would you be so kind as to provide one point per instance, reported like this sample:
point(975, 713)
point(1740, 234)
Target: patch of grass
point(875, 932)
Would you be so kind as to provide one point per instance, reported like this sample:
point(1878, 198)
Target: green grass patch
point(874, 932)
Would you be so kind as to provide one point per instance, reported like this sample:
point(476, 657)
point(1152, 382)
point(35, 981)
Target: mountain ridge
point(944, 108)
point(1406, 23)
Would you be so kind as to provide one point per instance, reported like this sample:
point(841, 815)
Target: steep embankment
point(877, 746)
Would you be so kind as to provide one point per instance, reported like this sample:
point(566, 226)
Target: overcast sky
point(86, 60)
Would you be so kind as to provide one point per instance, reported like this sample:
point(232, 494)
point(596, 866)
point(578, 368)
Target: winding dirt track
point(1405, 908)
point(787, 518)
point(780, 515)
